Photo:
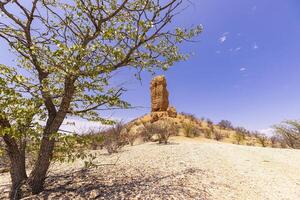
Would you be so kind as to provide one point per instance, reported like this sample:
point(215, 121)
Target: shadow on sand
point(86, 184)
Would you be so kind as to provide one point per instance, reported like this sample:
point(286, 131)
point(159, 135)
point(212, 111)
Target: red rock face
point(159, 94)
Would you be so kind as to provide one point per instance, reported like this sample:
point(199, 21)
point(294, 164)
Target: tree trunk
point(17, 160)
point(17, 173)
point(38, 174)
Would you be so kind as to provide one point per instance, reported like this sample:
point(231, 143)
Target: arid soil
point(184, 169)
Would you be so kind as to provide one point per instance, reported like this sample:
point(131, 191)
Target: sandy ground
point(184, 169)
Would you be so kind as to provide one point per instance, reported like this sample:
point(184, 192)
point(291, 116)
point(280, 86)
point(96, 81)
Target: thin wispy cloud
point(255, 46)
point(238, 49)
point(268, 131)
point(243, 69)
point(218, 52)
point(223, 38)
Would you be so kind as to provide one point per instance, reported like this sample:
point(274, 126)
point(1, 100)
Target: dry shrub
point(191, 117)
point(274, 140)
point(199, 123)
point(225, 124)
point(239, 137)
point(249, 144)
point(95, 139)
point(150, 130)
point(208, 133)
point(113, 140)
point(243, 131)
point(278, 141)
point(162, 128)
point(218, 135)
point(263, 140)
point(190, 130)
point(129, 136)
point(210, 123)
point(283, 144)
point(226, 134)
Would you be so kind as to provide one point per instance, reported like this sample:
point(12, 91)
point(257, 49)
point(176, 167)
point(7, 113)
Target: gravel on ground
point(184, 169)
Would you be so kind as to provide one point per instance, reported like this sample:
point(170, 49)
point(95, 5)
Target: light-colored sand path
point(185, 169)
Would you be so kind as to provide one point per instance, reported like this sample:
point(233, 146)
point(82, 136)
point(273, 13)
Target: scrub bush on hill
point(163, 129)
point(190, 130)
point(225, 124)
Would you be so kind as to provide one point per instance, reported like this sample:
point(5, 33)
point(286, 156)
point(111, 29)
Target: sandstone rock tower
point(160, 99)
point(159, 94)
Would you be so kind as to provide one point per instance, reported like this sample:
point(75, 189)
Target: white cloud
point(255, 46)
point(267, 131)
point(243, 69)
point(81, 126)
point(222, 39)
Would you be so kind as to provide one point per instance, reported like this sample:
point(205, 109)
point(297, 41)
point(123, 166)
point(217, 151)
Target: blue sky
point(245, 67)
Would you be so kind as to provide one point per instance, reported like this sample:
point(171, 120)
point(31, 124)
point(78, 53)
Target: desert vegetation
point(162, 130)
point(68, 55)
point(113, 140)
point(225, 124)
point(70, 51)
point(239, 137)
point(190, 130)
point(289, 133)
point(218, 135)
point(189, 125)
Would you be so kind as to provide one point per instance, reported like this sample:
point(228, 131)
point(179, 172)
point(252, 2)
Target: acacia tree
point(16, 123)
point(289, 131)
point(67, 52)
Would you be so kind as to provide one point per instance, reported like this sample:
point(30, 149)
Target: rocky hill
point(197, 162)
point(188, 125)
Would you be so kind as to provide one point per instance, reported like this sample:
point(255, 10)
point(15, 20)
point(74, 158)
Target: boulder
point(155, 116)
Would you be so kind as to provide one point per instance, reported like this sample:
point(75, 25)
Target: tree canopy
point(66, 54)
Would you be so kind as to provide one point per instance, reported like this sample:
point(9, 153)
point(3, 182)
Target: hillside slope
point(185, 169)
